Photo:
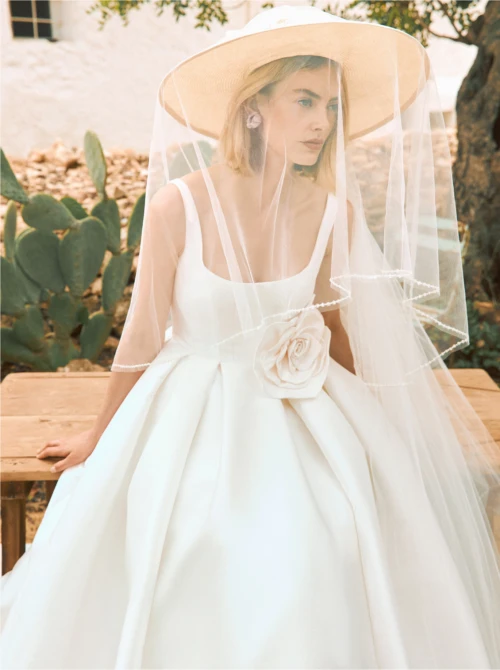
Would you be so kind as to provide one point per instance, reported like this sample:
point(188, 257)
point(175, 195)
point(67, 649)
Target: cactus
point(95, 333)
point(96, 163)
point(74, 207)
point(81, 252)
point(47, 268)
point(115, 279)
point(37, 253)
point(11, 188)
point(186, 160)
point(107, 211)
point(28, 329)
point(63, 310)
point(46, 214)
point(134, 230)
point(13, 295)
point(15, 352)
point(9, 230)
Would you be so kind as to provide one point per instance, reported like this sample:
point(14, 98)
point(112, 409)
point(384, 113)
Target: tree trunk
point(476, 170)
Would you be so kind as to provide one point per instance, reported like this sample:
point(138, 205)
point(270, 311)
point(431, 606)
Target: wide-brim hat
point(377, 61)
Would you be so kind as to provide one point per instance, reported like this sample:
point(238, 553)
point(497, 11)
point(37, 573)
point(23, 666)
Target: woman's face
point(301, 109)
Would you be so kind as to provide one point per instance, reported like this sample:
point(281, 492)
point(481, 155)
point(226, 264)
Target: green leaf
point(12, 294)
point(81, 254)
point(107, 211)
point(9, 230)
point(14, 351)
point(135, 223)
point(62, 310)
point(10, 187)
point(94, 334)
point(115, 278)
point(46, 214)
point(186, 160)
point(96, 162)
point(61, 352)
point(29, 329)
point(37, 253)
point(77, 211)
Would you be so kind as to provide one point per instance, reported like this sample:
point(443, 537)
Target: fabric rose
point(292, 357)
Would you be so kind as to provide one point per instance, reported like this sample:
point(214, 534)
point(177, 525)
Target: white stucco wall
point(106, 80)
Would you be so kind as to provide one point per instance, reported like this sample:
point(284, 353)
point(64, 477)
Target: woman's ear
point(251, 106)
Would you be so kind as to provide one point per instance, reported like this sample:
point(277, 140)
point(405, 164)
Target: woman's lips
point(313, 145)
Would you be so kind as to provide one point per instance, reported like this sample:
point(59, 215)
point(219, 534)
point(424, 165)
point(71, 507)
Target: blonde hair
point(241, 148)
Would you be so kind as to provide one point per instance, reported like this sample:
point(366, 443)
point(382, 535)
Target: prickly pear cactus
point(187, 159)
point(46, 269)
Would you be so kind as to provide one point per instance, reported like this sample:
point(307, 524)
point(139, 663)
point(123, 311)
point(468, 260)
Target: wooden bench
point(37, 407)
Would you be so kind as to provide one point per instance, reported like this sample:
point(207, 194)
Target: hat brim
point(200, 87)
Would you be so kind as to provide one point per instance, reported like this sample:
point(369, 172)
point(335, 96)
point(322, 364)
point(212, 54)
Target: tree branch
point(445, 37)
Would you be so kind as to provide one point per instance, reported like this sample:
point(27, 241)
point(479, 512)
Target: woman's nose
point(322, 119)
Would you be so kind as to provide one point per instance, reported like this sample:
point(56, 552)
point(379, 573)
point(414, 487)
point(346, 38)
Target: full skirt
point(215, 527)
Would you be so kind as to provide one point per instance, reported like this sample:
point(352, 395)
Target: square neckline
point(186, 191)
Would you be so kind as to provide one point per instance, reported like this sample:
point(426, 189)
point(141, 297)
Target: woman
point(283, 481)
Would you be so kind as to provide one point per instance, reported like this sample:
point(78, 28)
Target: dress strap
point(187, 197)
point(193, 227)
point(193, 230)
point(324, 231)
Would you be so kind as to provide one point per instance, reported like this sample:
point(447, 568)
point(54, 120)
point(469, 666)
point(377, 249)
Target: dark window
point(31, 18)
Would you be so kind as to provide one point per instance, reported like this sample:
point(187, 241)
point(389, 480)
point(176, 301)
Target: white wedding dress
point(214, 526)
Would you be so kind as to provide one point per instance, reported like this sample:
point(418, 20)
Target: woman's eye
point(308, 102)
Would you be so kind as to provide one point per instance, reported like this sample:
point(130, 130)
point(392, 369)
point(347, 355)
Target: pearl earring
point(254, 119)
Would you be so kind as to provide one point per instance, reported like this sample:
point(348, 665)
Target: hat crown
point(372, 55)
point(281, 17)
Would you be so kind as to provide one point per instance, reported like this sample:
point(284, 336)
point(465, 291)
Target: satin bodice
point(210, 312)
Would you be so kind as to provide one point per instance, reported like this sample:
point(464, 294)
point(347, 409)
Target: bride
point(284, 473)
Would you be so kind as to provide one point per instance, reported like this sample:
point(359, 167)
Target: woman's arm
point(119, 386)
point(162, 244)
point(340, 349)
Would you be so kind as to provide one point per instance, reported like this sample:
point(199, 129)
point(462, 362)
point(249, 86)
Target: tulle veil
point(238, 123)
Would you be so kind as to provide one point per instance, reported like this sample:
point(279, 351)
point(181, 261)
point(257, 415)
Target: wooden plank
point(467, 379)
point(487, 407)
point(53, 393)
point(27, 469)
point(44, 375)
point(474, 378)
point(22, 436)
point(480, 391)
point(13, 496)
point(37, 407)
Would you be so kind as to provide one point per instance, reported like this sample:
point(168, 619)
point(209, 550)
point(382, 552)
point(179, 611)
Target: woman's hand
point(77, 448)
point(74, 449)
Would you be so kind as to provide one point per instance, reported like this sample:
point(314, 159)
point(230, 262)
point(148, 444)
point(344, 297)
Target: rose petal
point(292, 358)
point(308, 359)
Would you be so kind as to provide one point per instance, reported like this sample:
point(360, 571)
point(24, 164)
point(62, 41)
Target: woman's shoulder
point(197, 181)
point(167, 202)
point(165, 214)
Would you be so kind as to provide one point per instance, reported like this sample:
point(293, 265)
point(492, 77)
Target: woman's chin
point(307, 159)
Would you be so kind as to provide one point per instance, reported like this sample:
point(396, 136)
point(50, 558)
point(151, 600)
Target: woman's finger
point(61, 465)
point(52, 451)
point(52, 443)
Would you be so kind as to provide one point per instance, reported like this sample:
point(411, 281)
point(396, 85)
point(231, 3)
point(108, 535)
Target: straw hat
point(200, 87)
